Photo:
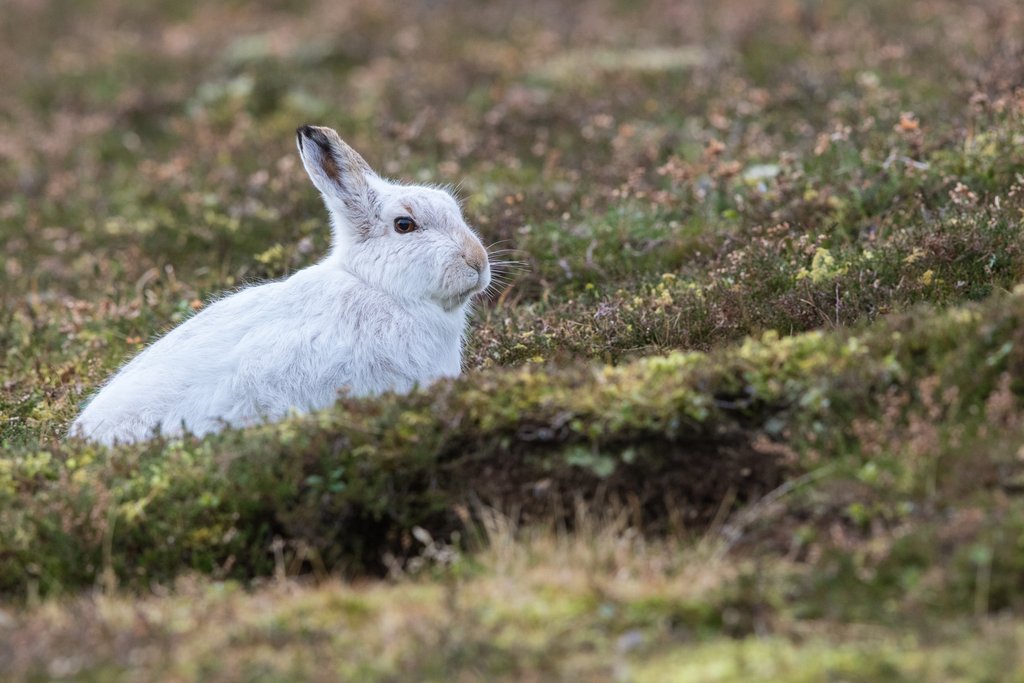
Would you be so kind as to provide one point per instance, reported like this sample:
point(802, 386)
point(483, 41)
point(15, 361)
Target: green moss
point(349, 483)
point(816, 660)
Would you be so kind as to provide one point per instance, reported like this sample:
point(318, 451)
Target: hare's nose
point(475, 257)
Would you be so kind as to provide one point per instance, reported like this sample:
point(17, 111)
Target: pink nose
point(475, 257)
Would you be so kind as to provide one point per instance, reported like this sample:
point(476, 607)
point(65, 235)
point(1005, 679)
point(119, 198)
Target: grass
point(750, 410)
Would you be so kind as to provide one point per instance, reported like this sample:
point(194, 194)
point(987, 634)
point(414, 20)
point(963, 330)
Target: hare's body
point(265, 350)
point(344, 324)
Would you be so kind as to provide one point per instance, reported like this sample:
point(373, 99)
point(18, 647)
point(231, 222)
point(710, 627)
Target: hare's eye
point(404, 224)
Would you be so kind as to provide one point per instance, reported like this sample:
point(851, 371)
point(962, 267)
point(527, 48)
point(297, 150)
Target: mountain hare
point(384, 311)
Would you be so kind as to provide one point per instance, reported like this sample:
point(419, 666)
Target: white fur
point(383, 311)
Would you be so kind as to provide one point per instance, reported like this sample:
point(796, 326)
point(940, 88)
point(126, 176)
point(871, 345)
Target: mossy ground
point(750, 409)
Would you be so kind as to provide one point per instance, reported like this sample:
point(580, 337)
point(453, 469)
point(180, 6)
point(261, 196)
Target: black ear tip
point(314, 134)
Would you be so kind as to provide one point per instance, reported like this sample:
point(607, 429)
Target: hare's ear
point(342, 176)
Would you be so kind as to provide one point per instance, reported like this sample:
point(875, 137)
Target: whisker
point(504, 268)
point(509, 261)
point(505, 252)
point(498, 281)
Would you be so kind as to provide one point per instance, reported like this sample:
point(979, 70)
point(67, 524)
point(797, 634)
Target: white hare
point(386, 310)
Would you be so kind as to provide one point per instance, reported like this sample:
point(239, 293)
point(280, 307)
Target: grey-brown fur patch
point(340, 173)
point(327, 160)
point(330, 167)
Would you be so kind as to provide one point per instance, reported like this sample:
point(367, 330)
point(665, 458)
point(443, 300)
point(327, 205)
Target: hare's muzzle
point(476, 258)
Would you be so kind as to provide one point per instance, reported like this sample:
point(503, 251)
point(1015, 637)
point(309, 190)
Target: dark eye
point(404, 224)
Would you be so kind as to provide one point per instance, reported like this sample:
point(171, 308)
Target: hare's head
point(408, 240)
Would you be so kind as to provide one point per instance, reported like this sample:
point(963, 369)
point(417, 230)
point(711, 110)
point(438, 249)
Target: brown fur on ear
point(319, 137)
point(330, 167)
point(335, 156)
point(341, 175)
